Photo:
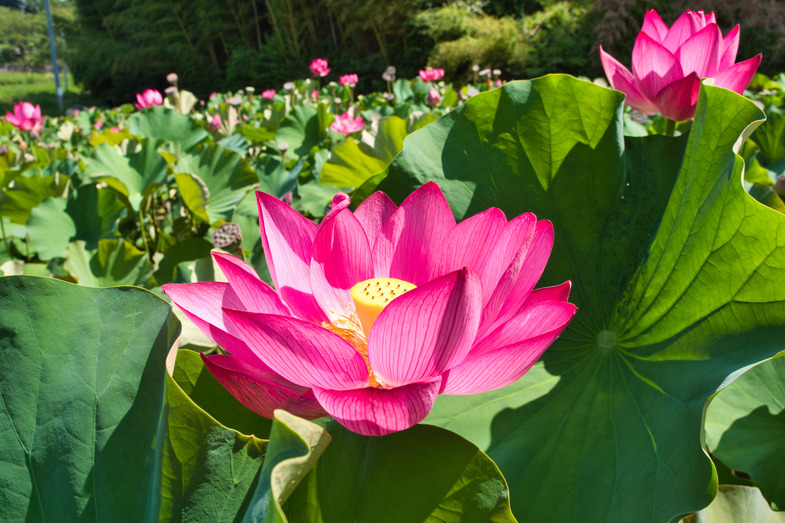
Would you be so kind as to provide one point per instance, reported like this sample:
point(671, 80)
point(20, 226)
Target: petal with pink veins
point(520, 278)
point(729, 48)
point(287, 239)
point(737, 77)
point(677, 101)
point(496, 369)
point(685, 26)
point(204, 300)
point(654, 26)
point(341, 258)
point(556, 293)
point(427, 330)
point(653, 66)
point(410, 244)
point(301, 352)
point(700, 52)
point(472, 242)
point(622, 80)
point(374, 411)
point(517, 233)
point(255, 295)
point(262, 391)
point(373, 213)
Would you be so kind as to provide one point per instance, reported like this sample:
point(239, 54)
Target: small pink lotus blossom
point(377, 311)
point(431, 75)
point(114, 129)
point(212, 95)
point(268, 94)
point(215, 122)
point(26, 117)
point(349, 80)
point(148, 98)
point(319, 67)
point(346, 125)
point(433, 98)
point(669, 63)
point(98, 125)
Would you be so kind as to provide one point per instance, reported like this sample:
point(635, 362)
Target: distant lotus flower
point(431, 75)
point(349, 80)
point(288, 86)
point(347, 125)
point(433, 98)
point(234, 100)
point(668, 64)
point(376, 312)
point(172, 78)
point(148, 98)
point(319, 67)
point(389, 74)
point(98, 125)
point(26, 117)
point(212, 95)
point(215, 122)
point(314, 95)
point(268, 94)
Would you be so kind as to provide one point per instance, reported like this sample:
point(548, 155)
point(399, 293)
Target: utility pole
point(52, 47)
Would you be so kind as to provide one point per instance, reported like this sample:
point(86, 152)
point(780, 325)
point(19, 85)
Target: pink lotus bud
point(26, 117)
point(172, 78)
point(98, 125)
point(212, 95)
point(216, 123)
point(319, 67)
point(668, 64)
point(349, 80)
point(268, 94)
point(433, 98)
point(148, 98)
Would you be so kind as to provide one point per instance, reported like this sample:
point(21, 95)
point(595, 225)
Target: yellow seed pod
point(371, 296)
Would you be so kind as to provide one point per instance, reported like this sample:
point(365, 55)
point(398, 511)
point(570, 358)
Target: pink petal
point(301, 352)
point(700, 52)
point(685, 26)
point(12, 119)
point(341, 258)
point(654, 26)
point(539, 318)
point(410, 244)
point(497, 369)
point(28, 111)
point(426, 331)
point(472, 242)
point(519, 278)
point(653, 66)
point(204, 300)
point(622, 80)
point(262, 391)
point(373, 213)
point(738, 76)
point(677, 101)
point(556, 293)
point(255, 295)
point(517, 233)
point(374, 411)
point(729, 48)
point(287, 239)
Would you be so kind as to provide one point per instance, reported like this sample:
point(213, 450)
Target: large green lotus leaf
point(28, 191)
point(745, 427)
point(135, 175)
point(422, 474)
point(674, 270)
point(95, 213)
point(168, 125)
point(50, 228)
point(224, 175)
point(737, 504)
point(351, 163)
point(115, 262)
point(82, 394)
point(299, 130)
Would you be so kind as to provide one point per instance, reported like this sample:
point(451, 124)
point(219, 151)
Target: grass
point(39, 89)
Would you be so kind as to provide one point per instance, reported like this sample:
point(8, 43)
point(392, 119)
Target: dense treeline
point(120, 47)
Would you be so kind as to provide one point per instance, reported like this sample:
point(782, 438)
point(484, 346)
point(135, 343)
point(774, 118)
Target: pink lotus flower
point(215, 122)
point(349, 80)
point(148, 98)
point(98, 125)
point(26, 117)
point(268, 94)
point(376, 312)
point(668, 64)
point(433, 98)
point(431, 75)
point(347, 125)
point(319, 67)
